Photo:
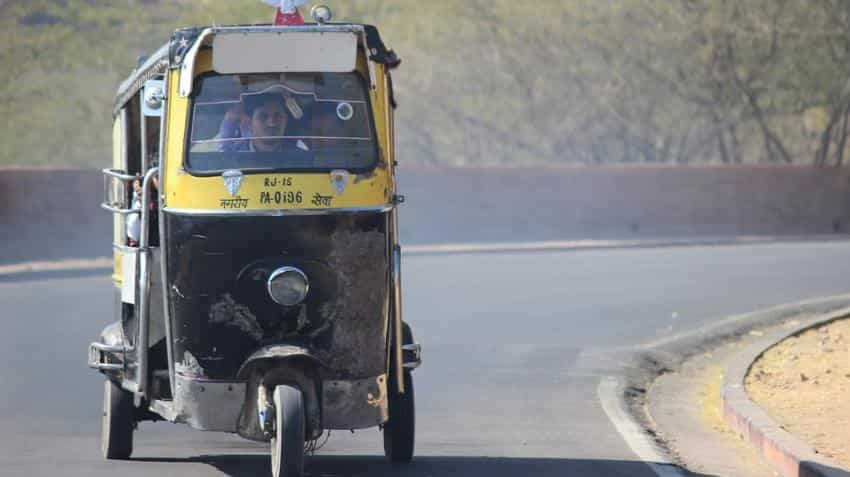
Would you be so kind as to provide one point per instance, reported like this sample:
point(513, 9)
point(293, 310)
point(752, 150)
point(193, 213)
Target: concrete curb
point(787, 454)
point(644, 365)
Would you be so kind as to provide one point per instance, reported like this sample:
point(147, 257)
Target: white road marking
point(56, 266)
point(513, 246)
point(609, 392)
point(481, 247)
point(478, 247)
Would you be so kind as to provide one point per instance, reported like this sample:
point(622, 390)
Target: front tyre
point(288, 441)
point(399, 430)
point(118, 423)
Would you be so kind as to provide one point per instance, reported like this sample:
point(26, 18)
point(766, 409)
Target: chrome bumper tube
point(98, 354)
point(412, 355)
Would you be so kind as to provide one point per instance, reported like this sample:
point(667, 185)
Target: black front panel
point(218, 268)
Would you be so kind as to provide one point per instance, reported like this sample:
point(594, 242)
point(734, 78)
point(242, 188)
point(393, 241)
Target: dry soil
point(804, 384)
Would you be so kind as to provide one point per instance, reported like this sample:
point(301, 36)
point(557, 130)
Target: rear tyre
point(288, 441)
point(118, 423)
point(399, 430)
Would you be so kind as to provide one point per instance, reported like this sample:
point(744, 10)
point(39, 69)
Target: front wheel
point(118, 423)
point(399, 430)
point(288, 441)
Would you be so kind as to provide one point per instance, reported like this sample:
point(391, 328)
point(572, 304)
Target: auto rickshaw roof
point(173, 54)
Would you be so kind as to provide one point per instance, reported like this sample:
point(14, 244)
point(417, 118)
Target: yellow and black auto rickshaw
point(257, 263)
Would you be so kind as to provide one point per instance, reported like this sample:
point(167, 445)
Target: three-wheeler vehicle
point(256, 249)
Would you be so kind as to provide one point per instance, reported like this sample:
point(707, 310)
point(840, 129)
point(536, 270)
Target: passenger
point(133, 223)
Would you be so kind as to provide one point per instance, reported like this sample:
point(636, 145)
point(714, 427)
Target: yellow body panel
point(260, 191)
point(117, 163)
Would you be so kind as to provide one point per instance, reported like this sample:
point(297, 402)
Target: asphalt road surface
point(515, 346)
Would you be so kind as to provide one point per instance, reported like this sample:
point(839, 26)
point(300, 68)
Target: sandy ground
point(804, 384)
point(684, 406)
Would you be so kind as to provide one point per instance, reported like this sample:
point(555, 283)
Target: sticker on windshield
point(344, 111)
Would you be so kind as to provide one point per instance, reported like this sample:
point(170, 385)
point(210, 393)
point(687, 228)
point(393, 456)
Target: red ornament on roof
point(286, 13)
point(285, 19)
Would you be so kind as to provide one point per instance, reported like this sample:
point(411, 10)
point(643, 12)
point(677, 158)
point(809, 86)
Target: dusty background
point(52, 213)
point(804, 384)
point(488, 82)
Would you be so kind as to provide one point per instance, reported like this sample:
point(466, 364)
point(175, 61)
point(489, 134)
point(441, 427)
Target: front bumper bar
point(103, 357)
point(411, 355)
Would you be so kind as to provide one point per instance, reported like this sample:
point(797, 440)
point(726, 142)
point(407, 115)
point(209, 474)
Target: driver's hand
point(235, 113)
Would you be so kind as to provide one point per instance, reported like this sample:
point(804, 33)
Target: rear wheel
point(288, 441)
point(118, 423)
point(399, 430)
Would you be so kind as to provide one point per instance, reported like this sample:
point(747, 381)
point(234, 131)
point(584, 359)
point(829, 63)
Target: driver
point(262, 125)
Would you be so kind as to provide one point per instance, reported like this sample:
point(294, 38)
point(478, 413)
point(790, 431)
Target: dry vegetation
point(487, 81)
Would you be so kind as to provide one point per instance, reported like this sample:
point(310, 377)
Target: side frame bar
point(143, 298)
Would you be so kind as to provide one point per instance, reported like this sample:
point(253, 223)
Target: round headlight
point(288, 286)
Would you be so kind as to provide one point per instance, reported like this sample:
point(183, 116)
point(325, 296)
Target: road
point(515, 346)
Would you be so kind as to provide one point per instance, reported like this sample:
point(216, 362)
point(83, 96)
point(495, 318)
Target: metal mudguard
point(276, 352)
point(280, 364)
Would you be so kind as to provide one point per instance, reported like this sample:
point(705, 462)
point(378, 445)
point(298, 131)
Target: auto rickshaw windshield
point(287, 122)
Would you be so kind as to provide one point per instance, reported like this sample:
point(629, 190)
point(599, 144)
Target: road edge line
point(612, 244)
point(610, 392)
point(67, 265)
point(105, 262)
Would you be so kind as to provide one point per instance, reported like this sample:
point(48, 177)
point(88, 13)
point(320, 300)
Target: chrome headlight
point(321, 14)
point(288, 286)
